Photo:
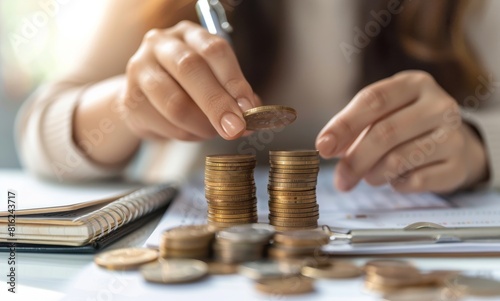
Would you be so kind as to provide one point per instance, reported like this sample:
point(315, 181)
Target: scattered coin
point(332, 270)
point(220, 268)
point(474, 286)
point(192, 241)
point(230, 190)
point(125, 259)
point(297, 244)
point(285, 286)
point(242, 243)
point(264, 269)
point(292, 185)
point(269, 117)
point(420, 294)
point(174, 271)
point(248, 233)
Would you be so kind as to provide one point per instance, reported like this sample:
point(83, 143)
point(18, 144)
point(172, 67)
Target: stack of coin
point(193, 242)
point(230, 190)
point(298, 244)
point(292, 189)
point(242, 243)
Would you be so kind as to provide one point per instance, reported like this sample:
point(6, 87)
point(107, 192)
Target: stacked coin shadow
point(230, 190)
point(298, 244)
point(242, 243)
point(194, 242)
point(292, 189)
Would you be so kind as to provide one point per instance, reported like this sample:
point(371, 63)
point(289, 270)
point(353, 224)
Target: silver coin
point(248, 233)
point(174, 271)
point(266, 269)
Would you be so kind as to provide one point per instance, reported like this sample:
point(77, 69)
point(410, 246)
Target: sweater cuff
point(487, 124)
point(67, 161)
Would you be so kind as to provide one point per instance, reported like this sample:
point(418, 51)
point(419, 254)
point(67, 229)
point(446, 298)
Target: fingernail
point(232, 124)
point(326, 145)
point(244, 104)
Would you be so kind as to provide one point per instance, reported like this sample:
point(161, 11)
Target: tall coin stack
point(230, 190)
point(292, 189)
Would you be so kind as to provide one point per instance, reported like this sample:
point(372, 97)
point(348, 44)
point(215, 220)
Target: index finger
point(367, 107)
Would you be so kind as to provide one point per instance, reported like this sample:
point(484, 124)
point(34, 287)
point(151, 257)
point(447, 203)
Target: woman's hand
point(407, 131)
point(185, 83)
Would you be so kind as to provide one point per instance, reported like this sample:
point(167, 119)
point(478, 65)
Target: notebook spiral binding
point(127, 209)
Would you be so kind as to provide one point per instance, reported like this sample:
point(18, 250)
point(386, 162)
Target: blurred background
point(33, 33)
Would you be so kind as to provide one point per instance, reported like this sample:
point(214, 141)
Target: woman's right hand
point(185, 83)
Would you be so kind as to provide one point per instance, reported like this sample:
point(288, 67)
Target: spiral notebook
point(87, 225)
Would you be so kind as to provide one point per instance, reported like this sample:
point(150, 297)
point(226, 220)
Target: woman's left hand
point(406, 131)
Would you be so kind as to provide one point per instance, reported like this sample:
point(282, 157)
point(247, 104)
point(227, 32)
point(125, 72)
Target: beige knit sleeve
point(44, 125)
point(487, 121)
point(44, 136)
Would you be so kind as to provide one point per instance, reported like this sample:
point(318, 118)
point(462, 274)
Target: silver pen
point(415, 233)
point(213, 17)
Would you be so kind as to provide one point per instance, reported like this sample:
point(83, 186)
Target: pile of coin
point(230, 190)
point(391, 277)
point(193, 242)
point(292, 189)
point(298, 244)
point(242, 243)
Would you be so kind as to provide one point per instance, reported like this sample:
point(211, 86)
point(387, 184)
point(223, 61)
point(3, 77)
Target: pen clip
point(221, 13)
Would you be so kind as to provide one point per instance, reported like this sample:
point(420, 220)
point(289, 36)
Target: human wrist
point(99, 128)
point(476, 158)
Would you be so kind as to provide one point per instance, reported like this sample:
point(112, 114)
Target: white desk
point(74, 277)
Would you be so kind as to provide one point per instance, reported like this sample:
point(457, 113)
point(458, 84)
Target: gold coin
point(293, 158)
point(419, 294)
point(269, 117)
point(333, 270)
point(302, 238)
point(283, 226)
point(390, 267)
point(310, 171)
point(197, 232)
point(474, 286)
point(125, 259)
point(306, 193)
point(224, 225)
point(174, 271)
point(294, 153)
point(248, 187)
point(184, 253)
point(295, 162)
point(221, 268)
point(299, 215)
point(289, 188)
point(230, 158)
point(307, 186)
point(265, 269)
point(293, 228)
point(251, 214)
point(228, 219)
point(292, 180)
point(232, 211)
point(294, 285)
point(276, 168)
point(294, 210)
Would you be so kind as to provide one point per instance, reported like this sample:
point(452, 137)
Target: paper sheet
point(365, 207)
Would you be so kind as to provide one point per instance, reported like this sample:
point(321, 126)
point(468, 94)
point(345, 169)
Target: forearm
point(99, 128)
